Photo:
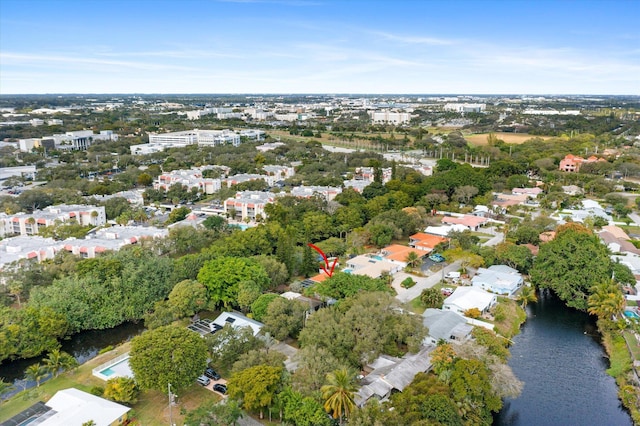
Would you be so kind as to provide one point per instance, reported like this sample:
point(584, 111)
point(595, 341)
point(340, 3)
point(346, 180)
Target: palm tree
point(338, 394)
point(36, 372)
point(53, 362)
point(527, 295)
point(413, 260)
point(606, 300)
point(57, 360)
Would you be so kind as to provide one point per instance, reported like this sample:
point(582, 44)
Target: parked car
point(437, 258)
point(211, 373)
point(203, 380)
point(219, 387)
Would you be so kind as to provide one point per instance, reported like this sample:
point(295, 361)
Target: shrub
point(408, 282)
point(473, 313)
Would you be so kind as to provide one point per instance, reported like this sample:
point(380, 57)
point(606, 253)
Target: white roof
point(238, 320)
point(444, 230)
point(74, 407)
point(470, 297)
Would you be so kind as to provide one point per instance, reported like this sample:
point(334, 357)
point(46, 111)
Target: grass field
point(151, 409)
point(515, 138)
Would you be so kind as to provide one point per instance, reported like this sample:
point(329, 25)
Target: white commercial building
point(464, 107)
point(389, 117)
point(200, 137)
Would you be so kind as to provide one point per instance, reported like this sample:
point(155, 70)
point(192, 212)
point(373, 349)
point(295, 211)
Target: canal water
point(559, 358)
point(83, 346)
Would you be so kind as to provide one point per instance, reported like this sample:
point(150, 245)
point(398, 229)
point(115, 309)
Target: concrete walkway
point(407, 294)
point(635, 218)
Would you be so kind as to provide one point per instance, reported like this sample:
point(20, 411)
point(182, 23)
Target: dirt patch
point(514, 138)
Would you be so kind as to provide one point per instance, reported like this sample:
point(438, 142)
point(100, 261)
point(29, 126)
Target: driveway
point(405, 295)
point(289, 351)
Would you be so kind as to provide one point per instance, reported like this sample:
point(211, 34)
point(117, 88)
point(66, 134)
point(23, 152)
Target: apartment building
point(190, 178)
point(30, 223)
point(248, 205)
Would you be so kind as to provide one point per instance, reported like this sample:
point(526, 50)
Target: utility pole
point(170, 404)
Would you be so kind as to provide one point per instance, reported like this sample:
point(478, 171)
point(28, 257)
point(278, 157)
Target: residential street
point(406, 295)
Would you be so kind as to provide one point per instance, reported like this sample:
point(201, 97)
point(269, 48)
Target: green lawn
point(151, 409)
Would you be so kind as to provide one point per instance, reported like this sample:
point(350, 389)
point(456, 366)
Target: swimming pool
point(376, 257)
point(117, 367)
point(108, 372)
point(631, 314)
point(347, 270)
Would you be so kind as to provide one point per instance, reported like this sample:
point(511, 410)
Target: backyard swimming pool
point(117, 367)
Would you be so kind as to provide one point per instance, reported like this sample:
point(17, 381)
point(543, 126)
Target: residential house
point(572, 190)
point(444, 230)
point(499, 279)
point(207, 326)
point(465, 298)
point(590, 208)
point(617, 240)
point(445, 325)
point(470, 222)
point(398, 254)
point(371, 265)
point(313, 303)
point(530, 192)
point(72, 407)
point(572, 163)
point(425, 242)
point(238, 320)
point(387, 374)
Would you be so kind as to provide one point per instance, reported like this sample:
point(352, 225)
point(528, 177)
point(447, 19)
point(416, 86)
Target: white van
point(453, 276)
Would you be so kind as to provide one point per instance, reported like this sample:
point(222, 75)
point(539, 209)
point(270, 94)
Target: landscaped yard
point(152, 407)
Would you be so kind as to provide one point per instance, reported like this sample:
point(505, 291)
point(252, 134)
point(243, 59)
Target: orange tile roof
point(427, 240)
point(319, 278)
point(399, 252)
point(467, 220)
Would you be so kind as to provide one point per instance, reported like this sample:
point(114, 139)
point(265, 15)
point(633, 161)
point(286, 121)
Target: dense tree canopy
point(110, 290)
point(171, 354)
point(361, 327)
point(572, 264)
point(222, 276)
point(341, 285)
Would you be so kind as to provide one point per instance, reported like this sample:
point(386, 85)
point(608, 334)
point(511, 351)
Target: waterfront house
point(445, 325)
point(72, 407)
point(500, 279)
point(465, 298)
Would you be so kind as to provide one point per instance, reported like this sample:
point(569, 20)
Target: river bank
point(621, 367)
point(561, 359)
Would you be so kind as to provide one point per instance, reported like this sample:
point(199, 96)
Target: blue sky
point(320, 46)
